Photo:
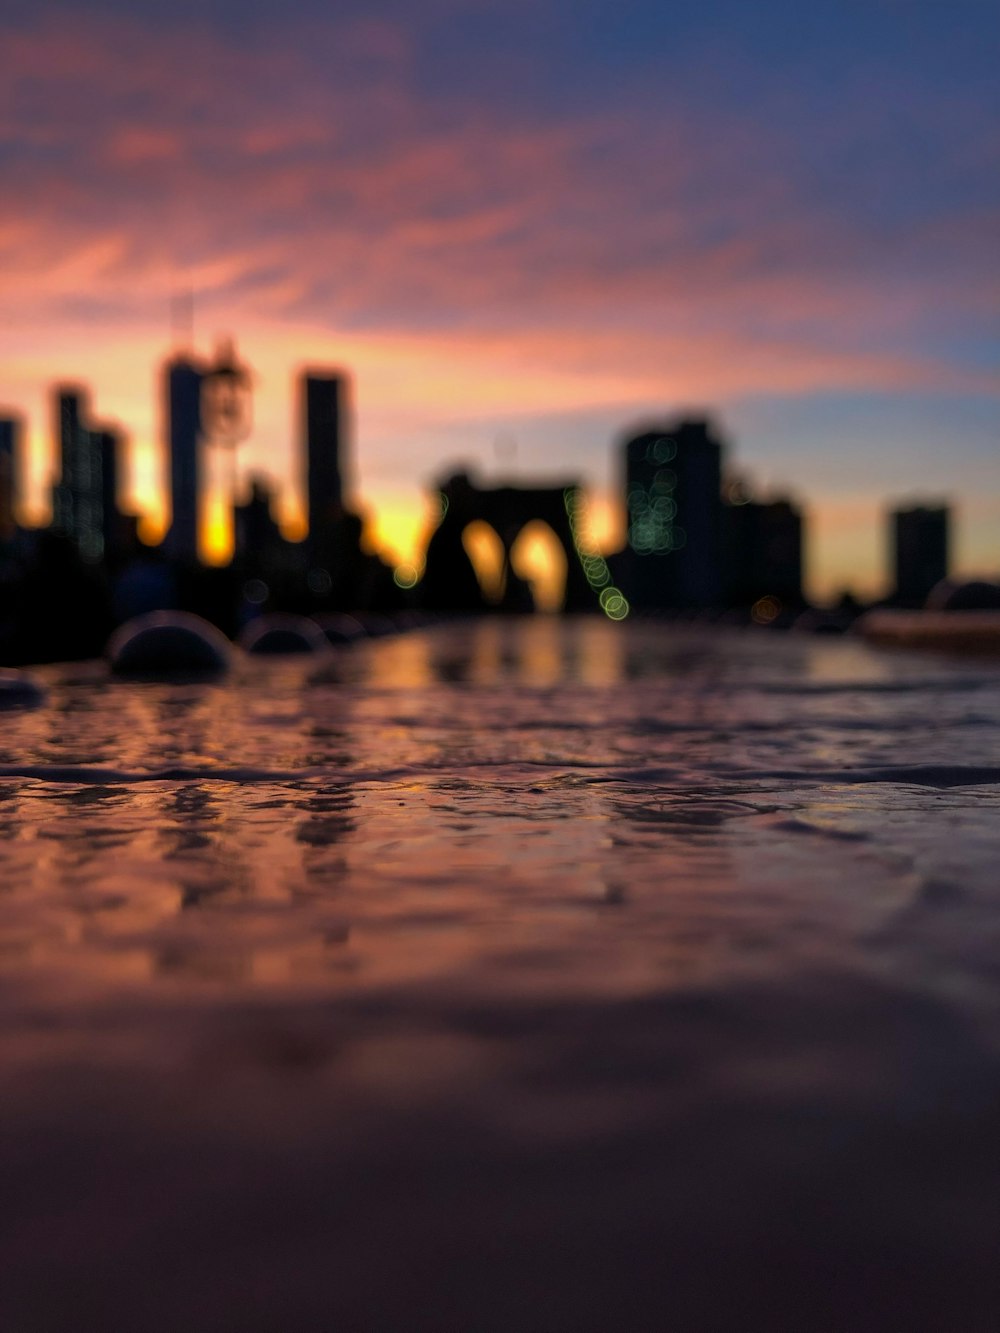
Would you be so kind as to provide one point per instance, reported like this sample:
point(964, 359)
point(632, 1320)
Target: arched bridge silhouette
point(450, 582)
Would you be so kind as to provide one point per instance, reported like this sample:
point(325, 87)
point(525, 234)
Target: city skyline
point(322, 411)
point(542, 226)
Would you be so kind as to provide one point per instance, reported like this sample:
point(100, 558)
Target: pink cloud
point(226, 165)
point(133, 146)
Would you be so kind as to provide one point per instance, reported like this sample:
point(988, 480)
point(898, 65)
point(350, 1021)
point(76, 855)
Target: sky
point(524, 227)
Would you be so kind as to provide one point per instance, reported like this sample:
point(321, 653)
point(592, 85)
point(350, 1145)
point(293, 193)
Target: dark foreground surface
point(521, 976)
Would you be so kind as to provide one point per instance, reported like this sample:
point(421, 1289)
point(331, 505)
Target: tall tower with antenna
point(204, 403)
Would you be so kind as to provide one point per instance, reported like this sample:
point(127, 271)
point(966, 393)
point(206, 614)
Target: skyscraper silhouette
point(10, 476)
point(107, 447)
point(68, 405)
point(257, 539)
point(85, 496)
point(324, 408)
point(919, 551)
point(763, 545)
point(182, 386)
point(673, 480)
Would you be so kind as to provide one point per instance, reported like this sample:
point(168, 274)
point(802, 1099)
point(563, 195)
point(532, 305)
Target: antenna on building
point(182, 319)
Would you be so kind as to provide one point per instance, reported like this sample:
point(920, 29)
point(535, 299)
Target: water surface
point(513, 975)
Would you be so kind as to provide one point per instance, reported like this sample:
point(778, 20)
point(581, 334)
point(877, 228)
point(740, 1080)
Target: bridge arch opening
point(539, 559)
point(486, 554)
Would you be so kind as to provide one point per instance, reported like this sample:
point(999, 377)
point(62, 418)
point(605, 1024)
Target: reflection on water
point(519, 971)
point(517, 769)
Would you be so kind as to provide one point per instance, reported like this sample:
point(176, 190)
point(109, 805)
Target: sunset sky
point(525, 226)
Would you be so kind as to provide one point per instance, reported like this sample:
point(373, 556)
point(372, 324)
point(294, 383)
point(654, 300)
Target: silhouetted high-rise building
point(68, 427)
point(113, 523)
point(763, 544)
point(325, 408)
point(84, 500)
point(256, 536)
point(919, 551)
point(673, 479)
point(183, 415)
point(10, 475)
point(206, 403)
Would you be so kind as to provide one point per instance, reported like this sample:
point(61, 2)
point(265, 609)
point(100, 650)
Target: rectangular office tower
point(919, 551)
point(763, 544)
point(673, 483)
point(10, 429)
point(183, 415)
point(84, 500)
point(107, 444)
point(325, 410)
point(69, 408)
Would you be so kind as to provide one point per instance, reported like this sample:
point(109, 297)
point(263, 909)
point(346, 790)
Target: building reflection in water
point(539, 652)
point(328, 821)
